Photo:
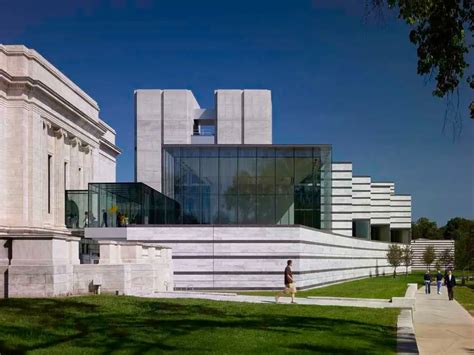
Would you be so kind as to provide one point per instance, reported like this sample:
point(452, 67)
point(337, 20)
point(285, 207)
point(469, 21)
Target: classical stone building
point(52, 139)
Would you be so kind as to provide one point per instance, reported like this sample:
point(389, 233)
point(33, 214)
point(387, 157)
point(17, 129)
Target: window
point(66, 176)
point(49, 182)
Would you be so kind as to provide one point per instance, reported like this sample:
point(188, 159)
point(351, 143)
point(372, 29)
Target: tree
point(429, 255)
point(394, 257)
point(424, 228)
point(440, 29)
point(462, 231)
point(407, 257)
point(446, 258)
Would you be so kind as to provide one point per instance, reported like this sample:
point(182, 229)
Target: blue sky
point(335, 77)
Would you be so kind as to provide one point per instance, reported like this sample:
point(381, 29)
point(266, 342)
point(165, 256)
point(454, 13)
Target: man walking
point(289, 283)
point(450, 282)
point(439, 280)
point(427, 279)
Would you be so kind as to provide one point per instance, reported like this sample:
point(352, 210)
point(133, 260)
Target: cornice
point(29, 86)
point(112, 147)
point(31, 54)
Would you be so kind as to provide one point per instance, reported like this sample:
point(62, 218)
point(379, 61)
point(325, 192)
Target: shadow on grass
point(109, 324)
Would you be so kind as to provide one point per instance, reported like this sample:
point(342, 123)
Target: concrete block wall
point(257, 117)
point(244, 116)
point(341, 200)
point(238, 258)
point(229, 115)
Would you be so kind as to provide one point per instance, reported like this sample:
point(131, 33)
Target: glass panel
point(192, 209)
point(247, 209)
point(209, 171)
point(228, 171)
point(266, 171)
point(210, 211)
point(284, 209)
point(76, 208)
point(228, 209)
point(247, 171)
point(284, 171)
point(266, 209)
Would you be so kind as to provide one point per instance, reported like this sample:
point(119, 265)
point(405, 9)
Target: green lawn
point(117, 324)
point(373, 287)
point(465, 295)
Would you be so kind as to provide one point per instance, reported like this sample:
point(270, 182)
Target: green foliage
point(462, 231)
point(424, 228)
point(407, 257)
point(429, 255)
point(440, 29)
point(394, 257)
point(446, 258)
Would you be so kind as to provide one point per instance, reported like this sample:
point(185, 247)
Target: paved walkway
point(320, 301)
point(442, 326)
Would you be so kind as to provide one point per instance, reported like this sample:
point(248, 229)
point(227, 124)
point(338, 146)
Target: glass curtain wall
point(247, 185)
point(121, 204)
point(76, 208)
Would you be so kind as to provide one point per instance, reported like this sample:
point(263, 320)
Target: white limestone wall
point(229, 115)
point(342, 198)
point(257, 117)
point(148, 137)
point(361, 197)
point(380, 202)
point(127, 268)
point(419, 245)
point(235, 258)
point(43, 113)
point(400, 211)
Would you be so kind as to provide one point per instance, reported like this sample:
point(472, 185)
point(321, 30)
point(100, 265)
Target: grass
point(465, 295)
point(384, 287)
point(118, 324)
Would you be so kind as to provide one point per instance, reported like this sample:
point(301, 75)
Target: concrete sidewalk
point(442, 326)
point(320, 301)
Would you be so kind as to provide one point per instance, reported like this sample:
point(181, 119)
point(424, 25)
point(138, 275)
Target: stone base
point(49, 266)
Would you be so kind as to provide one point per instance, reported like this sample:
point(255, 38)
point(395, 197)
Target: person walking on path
point(427, 279)
point(289, 283)
point(450, 282)
point(439, 281)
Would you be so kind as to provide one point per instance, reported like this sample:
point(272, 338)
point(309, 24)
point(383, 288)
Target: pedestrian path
point(442, 326)
point(319, 301)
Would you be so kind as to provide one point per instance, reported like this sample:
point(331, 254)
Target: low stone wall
point(246, 258)
point(49, 266)
point(127, 268)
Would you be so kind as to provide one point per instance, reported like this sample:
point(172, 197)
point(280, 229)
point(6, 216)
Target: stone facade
point(254, 257)
point(373, 206)
point(51, 139)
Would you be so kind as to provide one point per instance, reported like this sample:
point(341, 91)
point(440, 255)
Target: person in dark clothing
point(427, 279)
point(439, 281)
point(289, 283)
point(104, 218)
point(450, 282)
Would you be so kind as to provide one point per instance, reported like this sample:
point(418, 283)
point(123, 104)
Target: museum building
point(214, 205)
